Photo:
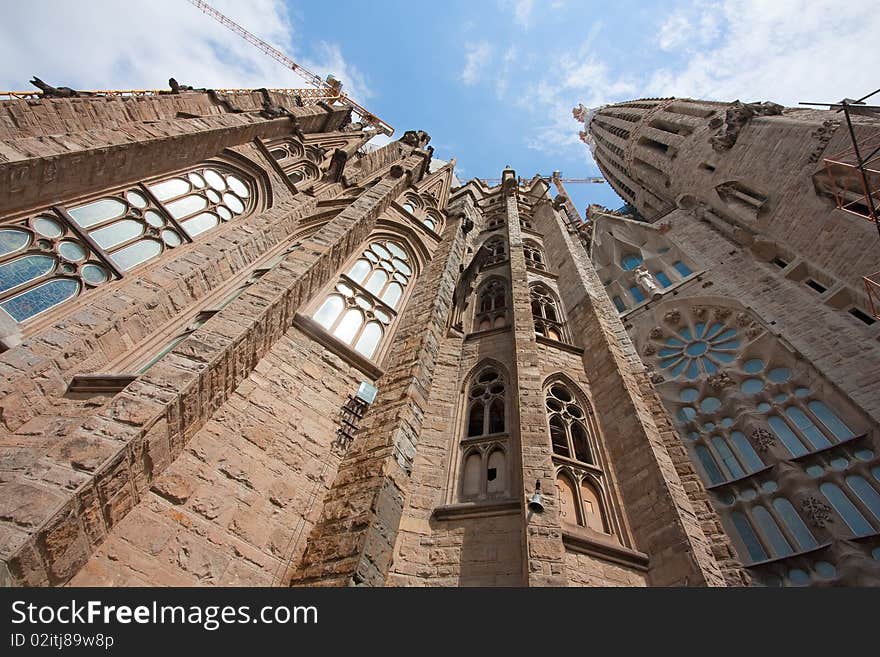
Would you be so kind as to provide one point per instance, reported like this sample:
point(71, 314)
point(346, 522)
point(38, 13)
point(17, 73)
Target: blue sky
point(493, 81)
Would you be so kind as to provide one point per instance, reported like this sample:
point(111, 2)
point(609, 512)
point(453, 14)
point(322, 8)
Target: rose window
point(699, 350)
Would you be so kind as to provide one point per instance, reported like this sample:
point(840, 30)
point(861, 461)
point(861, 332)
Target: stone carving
point(753, 331)
point(743, 319)
point(763, 439)
point(736, 117)
point(655, 377)
point(720, 380)
point(700, 311)
point(647, 282)
point(823, 135)
point(673, 317)
point(416, 138)
point(656, 333)
point(722, 314)
point(57, 92)
point(650, 350)
point(818, 513)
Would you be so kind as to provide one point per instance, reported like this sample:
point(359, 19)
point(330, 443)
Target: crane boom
point(497, 181)
point(303, 72)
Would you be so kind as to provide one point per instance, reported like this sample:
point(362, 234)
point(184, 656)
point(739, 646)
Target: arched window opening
point(367, 299)
point(471, 478)
point(567, 500)
point(779, 546)
point(594, 518)
point(495, 222)
point(748, 537)
point(534, 255)
point(803, 537)
point(545, 313)
point(846, 509)
point(566, 419)
point(496, 473)
point(486, 393)
point(497, 248)
point(44, 262)
point(492, 305)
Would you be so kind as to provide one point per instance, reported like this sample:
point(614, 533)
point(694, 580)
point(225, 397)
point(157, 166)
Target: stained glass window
point(44, 262)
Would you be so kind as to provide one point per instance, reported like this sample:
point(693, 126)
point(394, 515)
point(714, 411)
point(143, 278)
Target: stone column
point(544, 553)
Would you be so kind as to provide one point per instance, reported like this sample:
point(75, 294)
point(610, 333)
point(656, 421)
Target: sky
point(492, 81)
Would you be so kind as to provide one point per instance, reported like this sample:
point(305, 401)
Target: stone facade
point(241, 348)
point(740, 282)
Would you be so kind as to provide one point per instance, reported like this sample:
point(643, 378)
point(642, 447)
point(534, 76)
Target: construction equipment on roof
point(855, 178)
point(330, 83)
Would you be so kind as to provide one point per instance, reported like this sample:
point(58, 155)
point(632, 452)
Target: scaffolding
point(853, 177)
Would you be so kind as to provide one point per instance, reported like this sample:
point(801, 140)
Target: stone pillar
point(353, 542)
point(635, 425)
point(544, 553)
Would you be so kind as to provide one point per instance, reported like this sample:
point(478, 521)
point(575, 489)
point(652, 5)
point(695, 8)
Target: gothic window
point(367, 297)
point(491, 305)
point(485, 406)
point(299, 163)
point(568, 429)
point(534, 255)
point(497, 248)
point(662, 278)
point(45, 259)
point(484, 469)
point(526, 222)
point(427, 216)
point(846, 509)
point(545, 312)
point(699, 350)
point(495, 222)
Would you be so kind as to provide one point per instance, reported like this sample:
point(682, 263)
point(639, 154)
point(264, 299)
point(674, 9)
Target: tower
point(740, 280)
point(241, 347)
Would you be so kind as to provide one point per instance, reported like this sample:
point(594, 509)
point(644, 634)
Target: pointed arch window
point(299, 162)
point(485, 407)
point(483, 470)
point(569, 435)
point(366, 300)
point(546, 313)
point(497, 248)
point(534, 255)
point(45, 259)
point(491, 311)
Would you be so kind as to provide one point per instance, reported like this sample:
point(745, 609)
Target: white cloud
point(476, 60)
point(785, 51)
point(105, 44)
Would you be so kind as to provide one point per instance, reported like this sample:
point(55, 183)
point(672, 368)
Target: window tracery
point(484, 465)
point(497, 248)
point(534, 255)
point(546, 314)
point(58, 253)
point(367, 298)
point(491, 311)
point(743, 403)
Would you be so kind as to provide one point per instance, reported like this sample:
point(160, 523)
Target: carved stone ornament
point(655, 377)
point(650, 350)
point(753, 331)
point(818, 513)
point(720, 380)
point(735, 118)
point(743, 319)
point(722, 313)
point(656, 333)
point(763, 439)
point(673, 317)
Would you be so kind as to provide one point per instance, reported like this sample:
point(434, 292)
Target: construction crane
point(497, 181)
point(331, 84)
